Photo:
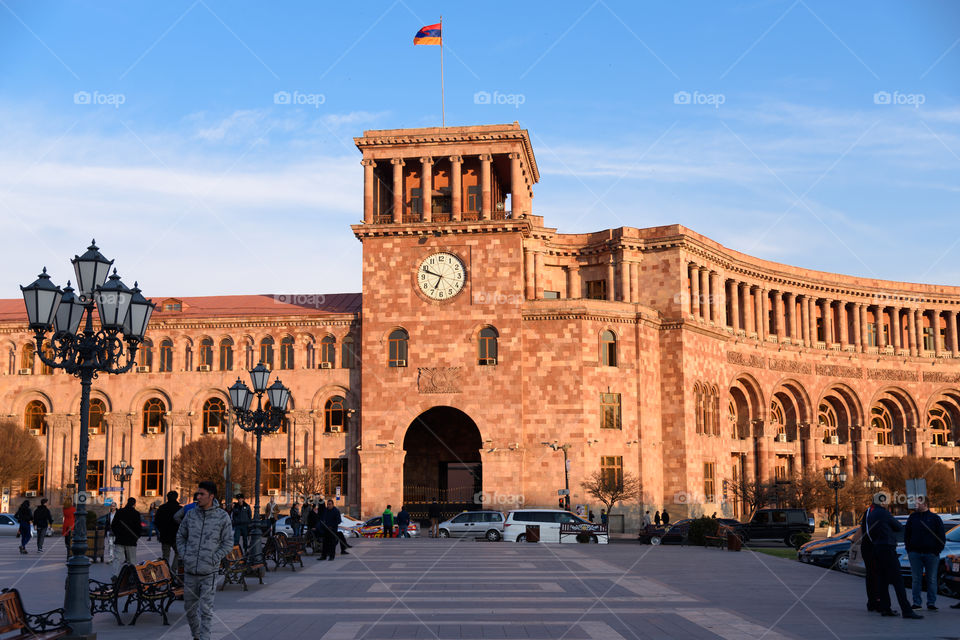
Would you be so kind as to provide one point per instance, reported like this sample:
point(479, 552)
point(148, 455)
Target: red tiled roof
point(220, 306)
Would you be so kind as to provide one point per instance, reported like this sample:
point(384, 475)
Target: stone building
point(484, 341)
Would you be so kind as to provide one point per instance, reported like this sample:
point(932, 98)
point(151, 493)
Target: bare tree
point(307, 482)
point(607, 490)
point(752, 494)
point(805, 491)
point(21, 457)
point(205, 459)
point(942, 491)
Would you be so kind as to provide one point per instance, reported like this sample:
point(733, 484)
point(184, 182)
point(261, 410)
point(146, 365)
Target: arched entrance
point(442, 461)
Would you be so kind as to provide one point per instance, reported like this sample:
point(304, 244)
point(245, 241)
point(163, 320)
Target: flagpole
point(443, 108)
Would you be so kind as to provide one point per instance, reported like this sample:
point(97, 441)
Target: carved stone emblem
point(438, 379)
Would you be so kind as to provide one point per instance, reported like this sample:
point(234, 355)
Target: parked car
point(488, 524)
point(374, 526)
point(855, 562)
point(673, 534)
point(778, 524)
point(832, 552)
point(549, 521)
point(10, 526)
point(348, 527)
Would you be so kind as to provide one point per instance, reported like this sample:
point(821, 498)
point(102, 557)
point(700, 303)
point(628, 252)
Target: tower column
point(765, 311)
point(793, 334)
point(538, 275)
point(573, 281)
point(912, 332)
point(896, 337)
point(426, 188)
point(529, 277)
point(864, 338)
point(485, 189)
point(456, 183)
point(935, 325)
point(694, 290)
point(779, 316)
point(368, 166)
point(735, 305)
point(842, 318)
point(745, 300)
point(397, 190)
point(611, 280)
point(881, 321)
point(827, 321)
point(705, 294)
point(717, 296)
point(758, 312)
point(517, 187)
point(634, 282)
point(857, 330)
point(952, 332)
point(805, 320)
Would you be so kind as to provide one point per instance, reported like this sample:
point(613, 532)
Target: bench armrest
point(47, 621)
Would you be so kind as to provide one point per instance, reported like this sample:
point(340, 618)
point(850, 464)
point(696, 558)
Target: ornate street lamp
point(122, 472)
point(836, 479)
point(259, 422)
point(123, 316)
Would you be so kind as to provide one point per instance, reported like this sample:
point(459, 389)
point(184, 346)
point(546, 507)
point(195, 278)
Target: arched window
point(27, 356)
point(95, 423)
point(334, 415)
point(145, 356)
point(166, 355)
point(266, 352)
point(35, 418)
point(154, 412)
point(286, 352)
point(827, 419)
point(698, 407)
point(398, 348)
point(487, 346)
point(882, 424)
point(347, 353)
point(214, 415)
point(206, 354)
point(940, 426)
point(226, 354)
point(48, 352)
point(778, 422)
point(328, 352)
point(608, 349)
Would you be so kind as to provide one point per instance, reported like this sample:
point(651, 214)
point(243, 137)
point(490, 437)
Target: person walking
point(329, 524)
point(42, 519)
point(590, 516)
point(433, 513)
point(646, 520)
point(656, 519)
point(69, 516)
point(167, 528)
point(308, 518)
point(271, 513)
point(242, 517)
point(387, 523)
point(871, 577)
point(924, 539)
point(109, 539)
point(666, 518)
point(127, 531)
point(151, 515)
point(24, 517)
point(881, 527)
point(204, 538)
point(295, 520)
point(603, 517)
point(403, 521)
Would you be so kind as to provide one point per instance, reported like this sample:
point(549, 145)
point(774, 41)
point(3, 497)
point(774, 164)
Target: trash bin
point(733, 542)
point(533, 533)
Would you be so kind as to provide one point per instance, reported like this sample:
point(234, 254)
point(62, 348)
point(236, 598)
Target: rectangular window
point(780, 472)
point(274, 475)
point(610, 410)
point(473, 198)
point(551, 295)
point(226, 356)
point(335, 475)
point(347, 355)
point(821, 335)
point(166, 357)
point(597, 289)
point(928, 338)
point(94, 475)
point(151, 477)
point(611, 470)
point(709, 482)
point(416, 201)
point(871, 334)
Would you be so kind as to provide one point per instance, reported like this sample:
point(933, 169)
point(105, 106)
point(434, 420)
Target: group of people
point(659, 520)
point(40, 518)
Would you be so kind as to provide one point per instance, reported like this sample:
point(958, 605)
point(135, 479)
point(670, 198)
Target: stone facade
point(655, 352)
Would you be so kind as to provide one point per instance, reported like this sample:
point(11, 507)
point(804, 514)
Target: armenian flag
point(430, 34)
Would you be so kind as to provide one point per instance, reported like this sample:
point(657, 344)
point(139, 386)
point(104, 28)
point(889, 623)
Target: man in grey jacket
point(204, 538)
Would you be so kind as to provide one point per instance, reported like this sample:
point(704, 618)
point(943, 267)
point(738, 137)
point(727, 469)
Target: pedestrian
point(590, 516)
point(42, 519)
point(151, 515)
point(295, 519)
point(603, 517)
point(167, 527)
point(69, 516)
point(242, 517)
point(713, 516)
point(329, 525)
point(646, 520)
point(656, 519)
point(203, 540)
point(433, 513)
point(127, 531)
point(871, 577)
point(387, 523)
point(271, 514)
point(881, 527)
point(666, 518)
point(924, 539)
point(108, 537)
point(403, 521)
point(24, 517)
point(309, 516)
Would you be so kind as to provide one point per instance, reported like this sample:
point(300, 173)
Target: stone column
point(826, 317)
point(952, 332)
point(896, 336)
point(912, 332)
point(779, 316)
point(805, 320)
point(624, 279)
point(611, 280)
point(765, 310)
point(517, 186)
point(881, 322)
point(716, 300)
point(694, 290)
point(538, 275)
point(426, 188)
point(397, 190)
point(864, 338)
point(368, 166)
point(485, 189)
point(764, 455)
point(811, 304)
point(634, 282)
point(935, 325)
point(758, 306)
point(857, 338)
point(792, 318)
point(573, 281)
point(456, 184)
point(842, 308)
point(746, 299)
point(705, 294)
point(735, 305)
point(529, 277)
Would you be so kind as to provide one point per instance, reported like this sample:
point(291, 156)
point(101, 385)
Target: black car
point(778, 524)
point(832, 552)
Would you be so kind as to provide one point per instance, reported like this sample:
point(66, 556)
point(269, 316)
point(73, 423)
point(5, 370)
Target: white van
point(550, 522)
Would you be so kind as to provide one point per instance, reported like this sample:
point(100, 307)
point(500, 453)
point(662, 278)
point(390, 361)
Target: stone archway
point(442, 461)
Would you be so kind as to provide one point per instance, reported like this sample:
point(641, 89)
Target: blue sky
point(820, 134)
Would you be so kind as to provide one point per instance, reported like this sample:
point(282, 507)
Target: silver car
point(488, 524)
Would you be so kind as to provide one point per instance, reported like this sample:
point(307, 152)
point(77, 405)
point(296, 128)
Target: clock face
point(441, 276)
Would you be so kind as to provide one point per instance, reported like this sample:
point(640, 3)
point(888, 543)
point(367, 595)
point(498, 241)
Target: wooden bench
point(286, 552)
point(156, 589)
point(235, 568)
point(35, 626)
point(105, 596)
point(719, 542)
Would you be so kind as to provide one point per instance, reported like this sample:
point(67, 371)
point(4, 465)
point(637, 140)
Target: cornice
point(438, 229)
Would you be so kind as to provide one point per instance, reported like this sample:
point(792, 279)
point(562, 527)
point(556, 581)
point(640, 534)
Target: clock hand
point(431, 272)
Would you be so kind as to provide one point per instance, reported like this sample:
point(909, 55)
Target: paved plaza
point(466, 589)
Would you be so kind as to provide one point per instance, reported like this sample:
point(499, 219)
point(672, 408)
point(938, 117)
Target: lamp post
point(123, 316)
point(835, 480)
point(566, 469)
point(259, 422)
point(122, 472)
